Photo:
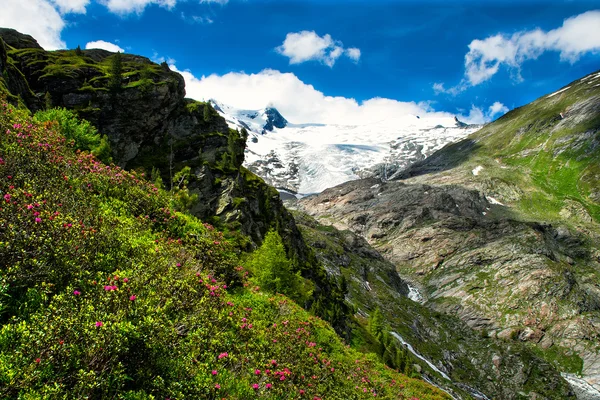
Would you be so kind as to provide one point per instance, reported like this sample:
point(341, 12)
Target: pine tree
point(116, 72)
point(78, 51)
point(182, 198)
point(207, 112)
point(343, 285)
point(156, 178)
point(376, 324)
point(273, 269)
point(244, 134)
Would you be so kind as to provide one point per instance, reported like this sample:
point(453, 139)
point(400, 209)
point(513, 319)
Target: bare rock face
point(519, 281)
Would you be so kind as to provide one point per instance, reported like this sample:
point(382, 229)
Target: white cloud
point(37, 18)
point(197, 19)
point(222, 2)
point(353, 53)
point(577, 36)
point(101, 44)
point(71, 6)
point(478, 116)
point(497, 108)
point(297, 101)
point(124, 7)
point(475, 116)
point(305, 46)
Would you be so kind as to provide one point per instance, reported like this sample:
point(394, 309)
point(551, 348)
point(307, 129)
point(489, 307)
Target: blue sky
point(304, 56)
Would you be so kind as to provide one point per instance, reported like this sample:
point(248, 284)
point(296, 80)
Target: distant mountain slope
point(308, 158)
point(501, 228)
point(542, 158)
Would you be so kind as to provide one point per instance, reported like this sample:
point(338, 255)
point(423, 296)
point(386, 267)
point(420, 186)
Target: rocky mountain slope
point(308, 158)
point(500, 229)
point(450, 354)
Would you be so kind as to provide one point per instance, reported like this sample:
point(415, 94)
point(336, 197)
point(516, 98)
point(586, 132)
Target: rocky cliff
point(150, 124)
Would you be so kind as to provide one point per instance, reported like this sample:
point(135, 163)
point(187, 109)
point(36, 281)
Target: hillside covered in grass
point(107, 291)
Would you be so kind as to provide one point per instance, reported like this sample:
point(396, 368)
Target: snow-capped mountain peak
point(256, 121)
point(308, 158)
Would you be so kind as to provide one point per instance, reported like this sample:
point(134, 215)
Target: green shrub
point(83, 134)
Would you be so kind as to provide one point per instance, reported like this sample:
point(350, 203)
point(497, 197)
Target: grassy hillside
point(106, 291)
point(543, 158)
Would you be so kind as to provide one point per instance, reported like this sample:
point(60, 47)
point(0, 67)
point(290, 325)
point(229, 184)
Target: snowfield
point(308, 158)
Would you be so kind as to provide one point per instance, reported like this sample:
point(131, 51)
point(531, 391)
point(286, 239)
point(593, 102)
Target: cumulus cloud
point(101, 44)
point(71, 6)
point(300, 102)
point(577, 36)
point(476, 114)
point(306, 46)
point(38, 18)
point(497, 108)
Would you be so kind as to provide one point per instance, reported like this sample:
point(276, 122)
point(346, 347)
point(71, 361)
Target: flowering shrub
point(108, 292)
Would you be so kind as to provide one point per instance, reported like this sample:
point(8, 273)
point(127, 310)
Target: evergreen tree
point(156, 178)
point(116, 72)
point(78, 51)
point(376, 324)
point(182, 198)
point(272, 268)
point(343, 285)
point(207, 112)
point(244, 134)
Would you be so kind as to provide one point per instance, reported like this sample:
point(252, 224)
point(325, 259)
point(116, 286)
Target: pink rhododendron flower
point(217, 386)
point(38, 220)
point(255, 386)
point(268, 386)
point(132, 297)
point(99, 324)
point(223, 355)
point(257, 371)
point(76, 292)
point(214, 372)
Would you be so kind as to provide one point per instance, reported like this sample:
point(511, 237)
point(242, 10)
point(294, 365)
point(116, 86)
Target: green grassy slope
point(543, 158)
point(105, 291)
